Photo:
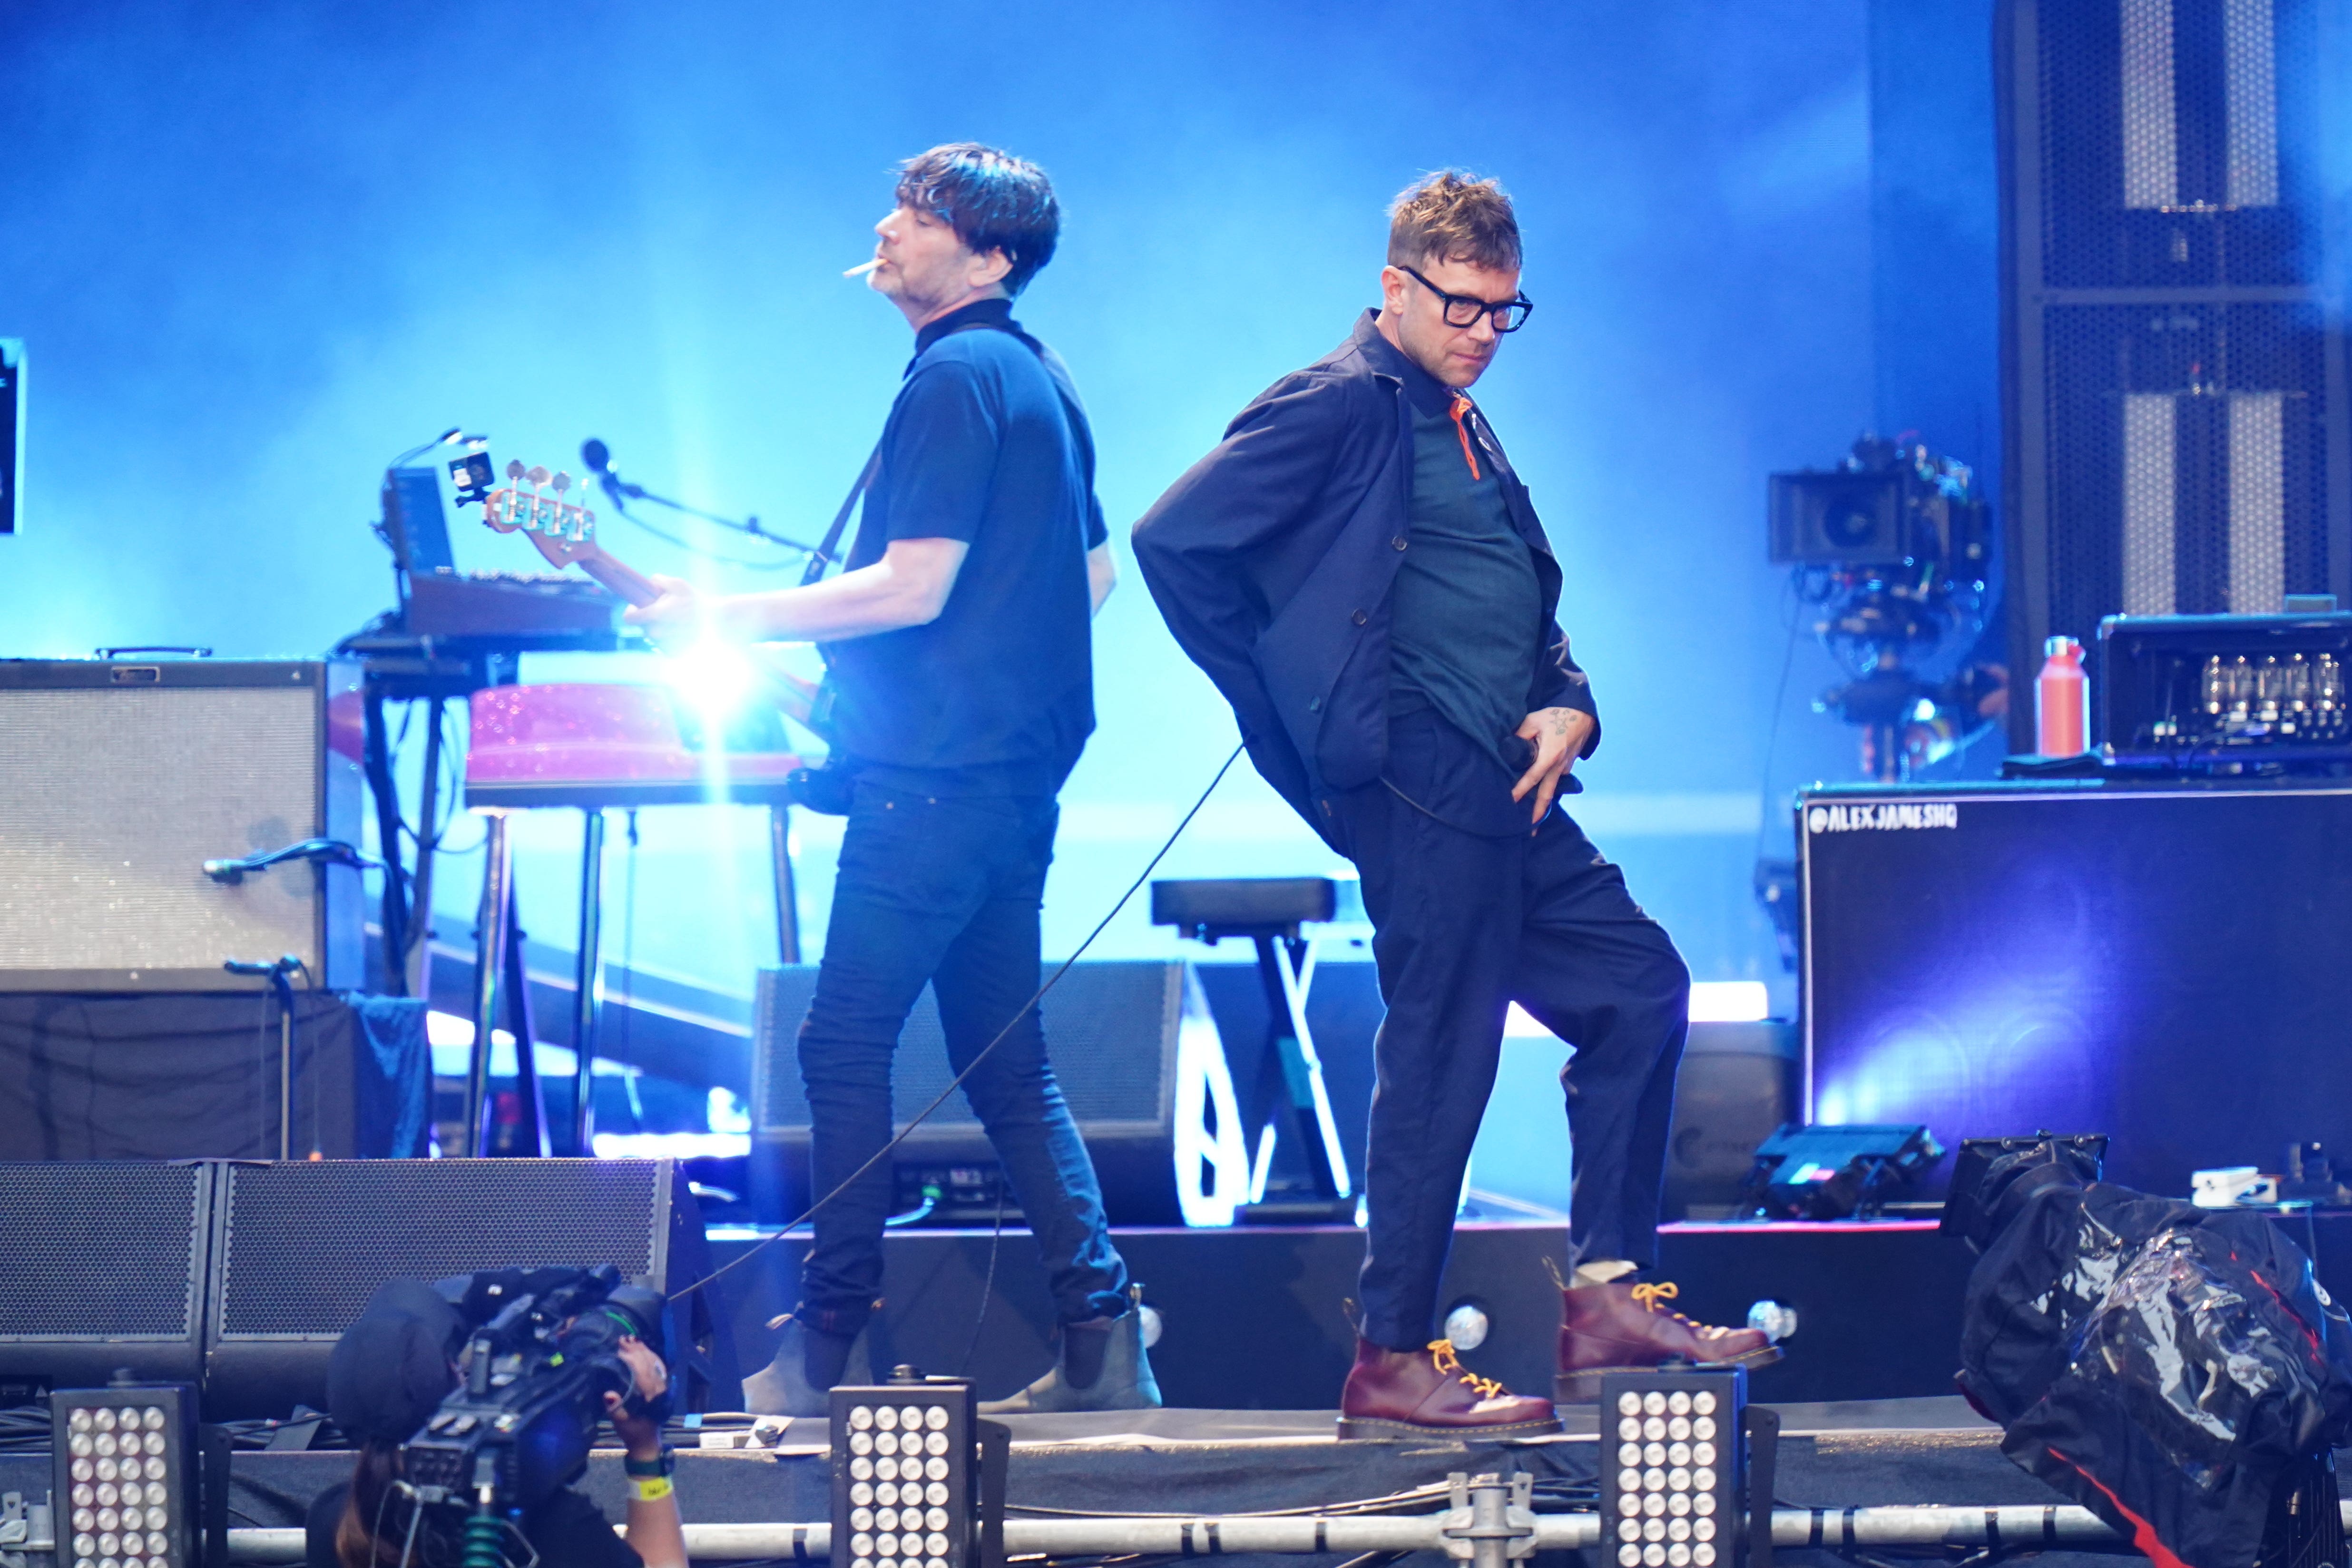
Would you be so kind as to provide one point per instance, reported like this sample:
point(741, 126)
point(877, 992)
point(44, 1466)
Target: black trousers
point(944, 892)
point(1465, 922)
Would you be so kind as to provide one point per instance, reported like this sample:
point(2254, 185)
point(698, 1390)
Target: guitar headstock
point(533, 502)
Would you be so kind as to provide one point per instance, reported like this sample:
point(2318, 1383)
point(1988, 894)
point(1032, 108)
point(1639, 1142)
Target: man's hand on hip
point(1558, 735)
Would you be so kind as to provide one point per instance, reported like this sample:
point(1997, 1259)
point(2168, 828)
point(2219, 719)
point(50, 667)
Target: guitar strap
point(825, 552)
point(824, 556)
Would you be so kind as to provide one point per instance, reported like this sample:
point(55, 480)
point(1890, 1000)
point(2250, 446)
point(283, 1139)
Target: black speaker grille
point(1110, 1033)
point(2174, 135)
point(2187, 459)
point(307, 1242)
point(100, 1250)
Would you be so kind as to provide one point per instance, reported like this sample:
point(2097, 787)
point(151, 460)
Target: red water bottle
point(2061, 701)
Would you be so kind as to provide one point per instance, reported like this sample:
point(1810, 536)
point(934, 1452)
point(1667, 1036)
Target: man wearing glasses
point(1363, 576)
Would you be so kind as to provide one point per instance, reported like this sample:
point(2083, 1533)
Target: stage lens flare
point(712, 675)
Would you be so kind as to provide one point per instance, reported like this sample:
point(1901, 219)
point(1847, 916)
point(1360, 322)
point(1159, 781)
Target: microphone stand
point(623, 492)
point(280, 975)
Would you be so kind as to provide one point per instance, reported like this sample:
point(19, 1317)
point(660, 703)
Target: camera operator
point(388, 1374)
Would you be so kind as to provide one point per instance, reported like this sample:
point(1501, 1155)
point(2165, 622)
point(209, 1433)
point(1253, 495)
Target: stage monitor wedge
point(1135, 1050)
point(107, 1267)
point(304, 1244)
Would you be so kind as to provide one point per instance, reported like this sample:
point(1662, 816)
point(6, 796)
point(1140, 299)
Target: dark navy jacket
point(1272, 560)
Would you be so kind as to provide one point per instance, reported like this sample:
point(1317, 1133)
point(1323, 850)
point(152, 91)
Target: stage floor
point(1208, 1462)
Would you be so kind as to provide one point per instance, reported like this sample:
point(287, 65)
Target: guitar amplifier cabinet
point(120, 779)
point(2163, 964)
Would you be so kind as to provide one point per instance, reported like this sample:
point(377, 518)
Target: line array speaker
point(242, 1275)
point(1139, 1061)
point(119, 779)
point(2174, 380)
point(107, 1266)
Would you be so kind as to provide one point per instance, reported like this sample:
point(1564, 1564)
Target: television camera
point(1893, 550)
point(521, 1422)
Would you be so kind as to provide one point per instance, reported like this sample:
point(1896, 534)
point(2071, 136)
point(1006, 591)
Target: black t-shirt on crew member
point(567, 1530)
point(985, 443)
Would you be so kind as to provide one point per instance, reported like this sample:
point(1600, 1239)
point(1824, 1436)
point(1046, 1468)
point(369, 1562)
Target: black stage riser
point(1257, 1317)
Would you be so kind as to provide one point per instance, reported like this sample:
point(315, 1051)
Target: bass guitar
point(564, 533)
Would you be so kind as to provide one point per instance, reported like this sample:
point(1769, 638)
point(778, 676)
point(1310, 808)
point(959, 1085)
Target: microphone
point(286, 965)
point(599, 458)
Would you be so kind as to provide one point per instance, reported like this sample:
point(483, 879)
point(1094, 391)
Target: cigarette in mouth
point(862, 266)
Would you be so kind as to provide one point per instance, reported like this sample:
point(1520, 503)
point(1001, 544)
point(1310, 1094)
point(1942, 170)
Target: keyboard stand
point(494, 802)
point(1268, 913)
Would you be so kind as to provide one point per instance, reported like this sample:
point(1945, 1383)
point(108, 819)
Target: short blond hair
point(1454, 217)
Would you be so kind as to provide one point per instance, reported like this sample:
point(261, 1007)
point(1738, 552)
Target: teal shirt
point(1466, 626)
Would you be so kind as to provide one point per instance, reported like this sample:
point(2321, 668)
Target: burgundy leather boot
point(1623, 1328)
point(1417, 1394)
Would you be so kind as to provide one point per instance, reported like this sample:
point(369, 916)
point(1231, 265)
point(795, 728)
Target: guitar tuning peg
point(537, 476)
point(514, 468)
point(562, 481)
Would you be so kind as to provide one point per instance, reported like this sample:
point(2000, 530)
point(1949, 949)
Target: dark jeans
point(1463, 924)
point(942, 890)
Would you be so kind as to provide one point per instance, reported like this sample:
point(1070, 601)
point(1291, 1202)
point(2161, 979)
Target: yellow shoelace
point(1441, 1353)
point(1650, 1295)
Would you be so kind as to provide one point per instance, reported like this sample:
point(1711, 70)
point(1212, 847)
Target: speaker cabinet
point(1738, 1083)
point(2178, 439)
point(119, 779)
point(304, 1244)
point(1134, 1048)
point(107, 1269)
point(2162, 965)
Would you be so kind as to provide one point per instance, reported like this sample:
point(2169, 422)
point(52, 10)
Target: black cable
point(628, 977)
point(983, 1055)
point(988, 1282)
point(1779, 700)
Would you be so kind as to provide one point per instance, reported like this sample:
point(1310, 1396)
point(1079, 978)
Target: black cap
point(391, 1368)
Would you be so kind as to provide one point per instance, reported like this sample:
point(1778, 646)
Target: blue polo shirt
point(987, 443)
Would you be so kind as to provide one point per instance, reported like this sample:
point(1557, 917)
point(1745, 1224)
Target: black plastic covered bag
point(2166, 1367)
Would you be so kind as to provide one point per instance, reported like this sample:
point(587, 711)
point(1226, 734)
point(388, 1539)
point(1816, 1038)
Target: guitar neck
point(626, 580)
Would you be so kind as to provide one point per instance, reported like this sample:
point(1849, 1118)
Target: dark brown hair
point(1452, 216)
point(373, 1529)
point(992, 199)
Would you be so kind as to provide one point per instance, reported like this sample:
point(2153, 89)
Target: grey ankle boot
point(782, 1387)
point(1126, 1382)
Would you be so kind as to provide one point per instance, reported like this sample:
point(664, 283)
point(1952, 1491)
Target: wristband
point(650, 1489)
point(662, 1464)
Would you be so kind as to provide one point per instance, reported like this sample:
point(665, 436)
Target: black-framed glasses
point(1464, 310)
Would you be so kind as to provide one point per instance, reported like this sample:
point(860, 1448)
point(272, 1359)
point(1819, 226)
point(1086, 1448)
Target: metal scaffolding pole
point(2015, 1525)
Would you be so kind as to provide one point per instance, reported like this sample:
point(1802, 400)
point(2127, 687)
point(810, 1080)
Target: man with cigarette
point(1361, 571)
point(958, 695)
